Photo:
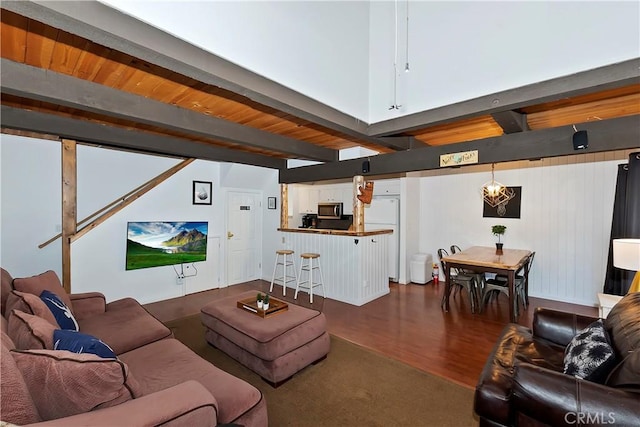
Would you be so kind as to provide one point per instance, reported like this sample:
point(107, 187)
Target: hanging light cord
point(406, 66)
point(395, 105)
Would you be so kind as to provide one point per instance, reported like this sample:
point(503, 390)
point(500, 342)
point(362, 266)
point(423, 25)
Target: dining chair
point(459, 281)
point(497, 286)
point(521, 284)
point(480, 277)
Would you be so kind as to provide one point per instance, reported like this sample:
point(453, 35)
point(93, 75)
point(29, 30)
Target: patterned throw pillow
point(589, 355)
point(78, 342)
point(60, 311)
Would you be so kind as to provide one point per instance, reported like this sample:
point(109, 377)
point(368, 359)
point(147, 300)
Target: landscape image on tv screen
point(157, 243)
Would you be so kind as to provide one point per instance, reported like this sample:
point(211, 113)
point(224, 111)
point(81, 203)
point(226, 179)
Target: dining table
point(485, 259)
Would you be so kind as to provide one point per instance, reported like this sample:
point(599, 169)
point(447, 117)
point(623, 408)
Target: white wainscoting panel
point(566, 211)
point(355, 269)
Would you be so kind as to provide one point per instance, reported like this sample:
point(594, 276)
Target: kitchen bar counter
point(355, 266)
point(336, 232)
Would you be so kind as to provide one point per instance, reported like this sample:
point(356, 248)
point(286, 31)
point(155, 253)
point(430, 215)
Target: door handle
point(229, 235)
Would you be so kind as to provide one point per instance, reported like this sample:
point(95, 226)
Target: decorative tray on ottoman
point(251, 305)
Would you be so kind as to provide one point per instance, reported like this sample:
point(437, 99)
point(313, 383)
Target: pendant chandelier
point(494, 193)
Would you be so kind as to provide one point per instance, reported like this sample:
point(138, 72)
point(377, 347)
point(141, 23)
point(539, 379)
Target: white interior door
point(243, 236)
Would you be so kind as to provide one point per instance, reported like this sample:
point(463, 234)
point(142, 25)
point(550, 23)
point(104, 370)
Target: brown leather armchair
point(522, 382)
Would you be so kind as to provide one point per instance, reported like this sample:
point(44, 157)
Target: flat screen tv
point(158, 243)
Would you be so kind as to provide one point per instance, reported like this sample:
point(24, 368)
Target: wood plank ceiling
point(26, 42)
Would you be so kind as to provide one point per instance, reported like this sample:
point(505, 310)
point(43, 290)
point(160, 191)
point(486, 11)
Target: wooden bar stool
point(307, 264)
point(284, 257)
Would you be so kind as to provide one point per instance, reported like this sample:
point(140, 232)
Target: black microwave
point(330, 210)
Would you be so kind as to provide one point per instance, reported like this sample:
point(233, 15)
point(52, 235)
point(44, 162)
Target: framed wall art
point(509, 209)
point(202, 192)
point(271, 203)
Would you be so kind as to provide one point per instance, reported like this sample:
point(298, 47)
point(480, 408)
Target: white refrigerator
point(384, 213)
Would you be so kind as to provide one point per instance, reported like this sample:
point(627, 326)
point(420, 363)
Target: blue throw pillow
point(77, 342)
point(60, 311)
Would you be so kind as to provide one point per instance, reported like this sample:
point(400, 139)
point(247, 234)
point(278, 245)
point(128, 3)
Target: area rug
point(353, 386)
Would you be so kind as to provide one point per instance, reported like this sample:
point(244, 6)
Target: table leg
point(526, 282)
point(447, 287)
point(512, 296)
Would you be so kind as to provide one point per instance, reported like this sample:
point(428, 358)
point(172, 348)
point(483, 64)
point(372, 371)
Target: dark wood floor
point(407, 325)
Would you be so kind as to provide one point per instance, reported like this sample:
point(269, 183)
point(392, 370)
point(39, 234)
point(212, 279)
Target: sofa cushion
point(30, 304)
point(125, 325)
point(5, 289)
point(626, 374)
point(623, 324)
point(60, 310)
point(4, 326)
point(45, 281)
point(62, 383)
point(589, 355)
point(77, 342)
point(30, 332)
point(168, 362)
point(16, 405)
point(516, 344)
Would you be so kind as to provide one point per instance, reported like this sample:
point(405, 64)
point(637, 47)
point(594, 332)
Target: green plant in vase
point(259, 300)
point(265, 303)
point(498, 230)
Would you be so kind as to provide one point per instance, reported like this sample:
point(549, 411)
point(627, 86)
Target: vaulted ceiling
point(105, 78)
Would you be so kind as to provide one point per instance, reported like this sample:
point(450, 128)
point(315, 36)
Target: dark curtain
point(625, 222)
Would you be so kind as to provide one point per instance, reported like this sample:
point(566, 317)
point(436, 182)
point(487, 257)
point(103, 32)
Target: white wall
point(318, 48)
point(31, 214)
point(30, 205)
point(342, 53)
point(567, 204)
point(460, 50)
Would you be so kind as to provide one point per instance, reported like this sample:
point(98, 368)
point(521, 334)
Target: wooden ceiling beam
point(598, 79)
point(511, 121)
point(47, 86)
point(112, 136)
point(606, 135)
point(400, 143)
point(116, 30)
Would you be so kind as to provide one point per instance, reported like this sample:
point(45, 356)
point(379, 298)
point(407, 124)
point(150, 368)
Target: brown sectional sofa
point(523, 383)
point(155, 380)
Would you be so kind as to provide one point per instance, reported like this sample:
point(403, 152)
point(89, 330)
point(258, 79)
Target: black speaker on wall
point(580, 140)
point(365, 166)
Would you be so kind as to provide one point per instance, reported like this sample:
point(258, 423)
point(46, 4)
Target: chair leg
point(311, 280)
point(295, 295)
point(324, 295)
point(273, 278)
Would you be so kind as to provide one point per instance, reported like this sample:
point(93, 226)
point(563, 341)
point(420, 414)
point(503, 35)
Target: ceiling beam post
point(69, 207)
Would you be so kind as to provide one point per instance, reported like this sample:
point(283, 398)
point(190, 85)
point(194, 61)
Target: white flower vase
point(260, 305)
point(265, 307)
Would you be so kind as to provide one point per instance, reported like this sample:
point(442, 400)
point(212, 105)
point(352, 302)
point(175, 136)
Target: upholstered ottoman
point(275, 347)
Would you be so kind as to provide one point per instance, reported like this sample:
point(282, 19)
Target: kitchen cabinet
point(330, 194)
point(309, 196)
point(307, 199)
point(347, 200)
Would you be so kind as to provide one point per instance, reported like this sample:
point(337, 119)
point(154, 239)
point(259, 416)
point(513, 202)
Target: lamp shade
point(626, 254)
